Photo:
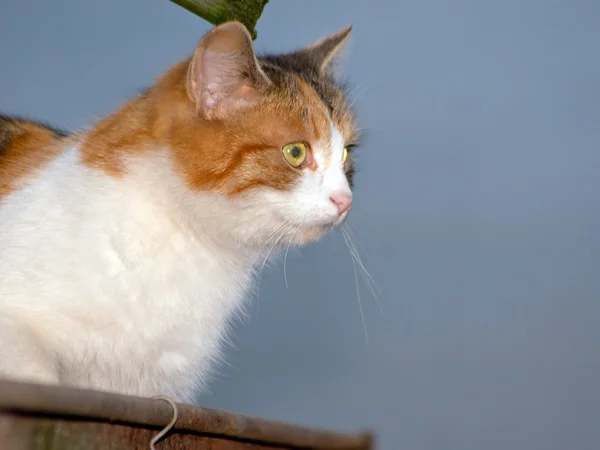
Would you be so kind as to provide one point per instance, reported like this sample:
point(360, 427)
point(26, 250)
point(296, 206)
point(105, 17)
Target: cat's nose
point(342, 201)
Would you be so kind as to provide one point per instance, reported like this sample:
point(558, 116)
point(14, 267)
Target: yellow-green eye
point(345, 154)
point(295, 153)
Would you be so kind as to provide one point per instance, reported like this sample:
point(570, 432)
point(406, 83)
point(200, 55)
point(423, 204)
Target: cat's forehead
point(317, 97)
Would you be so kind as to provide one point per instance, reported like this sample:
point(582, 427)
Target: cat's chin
point(312, 235)
point(316, 232)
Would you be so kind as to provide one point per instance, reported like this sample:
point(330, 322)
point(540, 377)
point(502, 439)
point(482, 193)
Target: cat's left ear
point(325, 51)
point(224, 75)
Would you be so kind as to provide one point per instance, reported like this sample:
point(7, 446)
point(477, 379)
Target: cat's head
point(277, 133)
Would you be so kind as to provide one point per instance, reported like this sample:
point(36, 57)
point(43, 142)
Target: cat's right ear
point(224, 74)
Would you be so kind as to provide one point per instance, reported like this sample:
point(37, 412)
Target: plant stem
point(218, 11)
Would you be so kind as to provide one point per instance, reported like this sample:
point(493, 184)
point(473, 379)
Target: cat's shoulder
point(19, 135)
point(25, 146)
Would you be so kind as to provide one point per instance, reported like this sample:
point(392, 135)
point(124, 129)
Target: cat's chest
point(173, 282)
point(110, 264)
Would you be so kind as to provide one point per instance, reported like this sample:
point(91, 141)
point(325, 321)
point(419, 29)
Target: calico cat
point(126, 249)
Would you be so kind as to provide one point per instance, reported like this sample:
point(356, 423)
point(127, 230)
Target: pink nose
point(342, 200)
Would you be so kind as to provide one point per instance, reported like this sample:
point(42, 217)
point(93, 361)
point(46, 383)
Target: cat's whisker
point(267, 242)
point(281, 234)
point(286, 253)
point(275, 237)
point(360, 308)
point(285, 262)
point(365, 231)
point(355, 88)
point(369, 281)
point(366, 275)
point(356, 261)
point(362, 88)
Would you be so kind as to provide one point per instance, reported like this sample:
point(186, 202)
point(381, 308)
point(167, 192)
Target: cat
point(126, 249)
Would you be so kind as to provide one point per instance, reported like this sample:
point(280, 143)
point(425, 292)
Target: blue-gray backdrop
point(477, 212)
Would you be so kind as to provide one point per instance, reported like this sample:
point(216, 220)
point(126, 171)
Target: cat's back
point(26, 146)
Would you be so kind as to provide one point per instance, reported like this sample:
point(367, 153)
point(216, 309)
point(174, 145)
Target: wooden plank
point(19, 432)
point(56, 417)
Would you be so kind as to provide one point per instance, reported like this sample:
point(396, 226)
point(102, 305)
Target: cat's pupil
point(295, 152)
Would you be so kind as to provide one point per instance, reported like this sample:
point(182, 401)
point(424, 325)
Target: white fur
point(128, 284)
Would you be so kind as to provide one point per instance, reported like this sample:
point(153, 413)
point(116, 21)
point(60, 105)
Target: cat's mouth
point(303, 230)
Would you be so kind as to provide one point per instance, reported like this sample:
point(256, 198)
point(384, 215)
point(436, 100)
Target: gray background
point(476, 212)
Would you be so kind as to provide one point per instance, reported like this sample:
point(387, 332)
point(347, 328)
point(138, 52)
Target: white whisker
point(284, 264)
point(362, 315)
point(368, 279)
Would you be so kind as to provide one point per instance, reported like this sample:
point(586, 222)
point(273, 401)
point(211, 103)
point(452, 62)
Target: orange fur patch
point(25, 148)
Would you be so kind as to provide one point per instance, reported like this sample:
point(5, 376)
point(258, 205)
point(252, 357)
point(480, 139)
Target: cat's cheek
point(314, 196)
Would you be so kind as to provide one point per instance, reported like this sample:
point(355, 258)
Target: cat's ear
point(324, 52)
point(224, 74)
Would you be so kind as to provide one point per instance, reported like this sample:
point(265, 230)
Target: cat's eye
point(295, 153)
point(345, 154)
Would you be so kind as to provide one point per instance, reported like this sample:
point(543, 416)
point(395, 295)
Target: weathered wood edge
point(219, 11)
point(60, 401)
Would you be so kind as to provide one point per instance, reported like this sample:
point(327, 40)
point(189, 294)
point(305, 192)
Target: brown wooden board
point(51, 418)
